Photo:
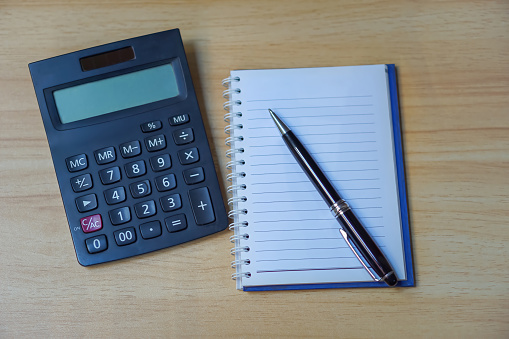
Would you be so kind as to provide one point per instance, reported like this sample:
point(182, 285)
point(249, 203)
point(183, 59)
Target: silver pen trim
point(345, 236)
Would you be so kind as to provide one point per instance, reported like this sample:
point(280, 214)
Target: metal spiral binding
point(236, 199)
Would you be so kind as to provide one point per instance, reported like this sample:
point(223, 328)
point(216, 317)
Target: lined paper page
point(342, 116)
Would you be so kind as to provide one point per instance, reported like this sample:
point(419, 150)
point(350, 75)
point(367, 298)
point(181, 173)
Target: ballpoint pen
point(351, 227)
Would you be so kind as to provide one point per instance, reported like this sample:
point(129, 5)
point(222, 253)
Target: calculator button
point(150, 230)
point(135, 169)
point(96, 244)
point(114, 195)
point(202, 206)
point(81, 183)
point(151, 126)
point(145, 209)
point(155, 143)
point(77, 163)
point(125, 236)
point(110, 175)
point(194, 175)
point(91, 223)
point(140, 189)
point(179, 119)
point(188, 156)
point(130, 149)
point(120, 215)
point(105, 155)
point(86, 203)
point(160, 163)
point(183, 136)
point(176, 223)
point(171, 202)
point(166, 182)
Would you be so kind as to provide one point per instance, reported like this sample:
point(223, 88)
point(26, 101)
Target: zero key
point(202, 206)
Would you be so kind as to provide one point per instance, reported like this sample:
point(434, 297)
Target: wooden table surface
point(453, 69)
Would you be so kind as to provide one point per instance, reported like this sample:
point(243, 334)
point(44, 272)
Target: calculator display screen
point(116, 93)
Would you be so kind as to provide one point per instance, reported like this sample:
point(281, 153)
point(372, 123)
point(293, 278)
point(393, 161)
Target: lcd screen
point(116, 93)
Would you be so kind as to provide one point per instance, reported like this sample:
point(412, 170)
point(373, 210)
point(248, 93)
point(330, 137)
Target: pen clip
point(345, 236)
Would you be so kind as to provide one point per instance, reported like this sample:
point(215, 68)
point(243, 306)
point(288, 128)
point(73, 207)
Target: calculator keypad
point(137, 197)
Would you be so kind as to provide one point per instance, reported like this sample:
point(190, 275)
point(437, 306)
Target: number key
point(171, 202)
point(160, 163)
point(115, 195)
point(145, 209)
point(96, 244)
point(125, 236)
point(135, 169)
point(140, 189)
point(110, 175)
point(120, 215)
point(166, 182)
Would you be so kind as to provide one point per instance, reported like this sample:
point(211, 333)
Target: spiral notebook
point(348, 118)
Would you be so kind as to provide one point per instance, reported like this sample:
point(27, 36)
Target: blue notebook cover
point(398, 149)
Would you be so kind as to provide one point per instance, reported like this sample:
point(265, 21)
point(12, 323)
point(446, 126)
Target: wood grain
point(453, 74)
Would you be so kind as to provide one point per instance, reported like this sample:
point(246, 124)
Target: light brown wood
point(453, 68)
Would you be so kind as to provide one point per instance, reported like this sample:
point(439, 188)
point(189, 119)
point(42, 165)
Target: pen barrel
point(311, 168)
point(367, 247)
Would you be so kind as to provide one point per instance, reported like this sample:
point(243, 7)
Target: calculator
point(129, 147)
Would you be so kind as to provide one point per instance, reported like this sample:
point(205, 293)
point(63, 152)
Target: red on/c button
point(91, 223)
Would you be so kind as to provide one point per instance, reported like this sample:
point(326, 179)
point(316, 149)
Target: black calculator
point(129, 147)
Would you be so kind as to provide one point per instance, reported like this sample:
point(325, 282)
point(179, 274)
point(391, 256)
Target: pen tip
point(279, 123)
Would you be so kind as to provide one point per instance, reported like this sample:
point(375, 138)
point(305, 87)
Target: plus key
point(202, 206)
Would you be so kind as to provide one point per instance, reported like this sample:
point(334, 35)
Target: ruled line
point(297, 259)
point(310, 269)
point(309, 200)
point(310, 134)
point(325, 162)
point(332, 152)
point(331, 171)
point(308, 107)
point(303, 181)
point(312, 210)
point(319, 125)
point(317, 143)
point(314, 116)
point(313, 190)
point(305, 229)
point(313, 98)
